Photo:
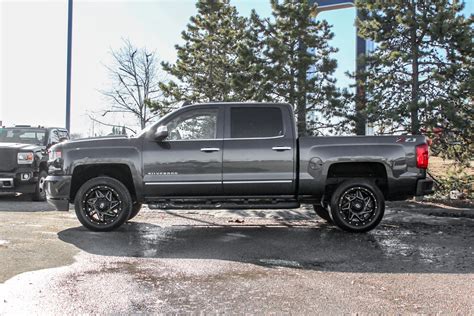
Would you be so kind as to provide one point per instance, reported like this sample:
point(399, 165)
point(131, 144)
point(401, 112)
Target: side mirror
point(161, 133)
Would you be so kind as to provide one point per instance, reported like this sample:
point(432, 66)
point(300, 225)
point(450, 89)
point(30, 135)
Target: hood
point(20, 146)
point(96, 142)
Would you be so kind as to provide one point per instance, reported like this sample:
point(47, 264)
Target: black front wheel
point(40, 193)
point(103, 204)
point(357, 205)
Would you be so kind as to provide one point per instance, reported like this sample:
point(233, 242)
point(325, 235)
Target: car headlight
point(25, 158)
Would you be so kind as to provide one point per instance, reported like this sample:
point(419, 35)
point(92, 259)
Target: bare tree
point(135, 76)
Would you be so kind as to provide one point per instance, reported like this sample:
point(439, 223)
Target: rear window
point(249, 122)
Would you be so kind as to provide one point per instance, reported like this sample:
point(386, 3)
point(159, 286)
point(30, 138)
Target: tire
point(357, 206)
point(40, 193)
point(322, 212)
point(135, 210)
point(103, 204)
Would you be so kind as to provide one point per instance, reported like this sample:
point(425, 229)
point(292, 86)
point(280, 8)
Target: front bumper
point(424, 187)
point(57, 191)
point(12, 182)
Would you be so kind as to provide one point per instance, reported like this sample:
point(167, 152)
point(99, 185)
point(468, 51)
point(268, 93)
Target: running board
point(222, 204)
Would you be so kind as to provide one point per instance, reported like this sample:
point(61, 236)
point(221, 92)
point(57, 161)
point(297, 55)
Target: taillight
point(422, 156)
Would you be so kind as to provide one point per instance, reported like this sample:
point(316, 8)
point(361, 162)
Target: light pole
point(361, 50)
point(68, 71)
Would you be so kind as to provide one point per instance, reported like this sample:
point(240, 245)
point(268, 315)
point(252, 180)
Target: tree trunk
point(360, 98)
point(301, 90)
point(415, 123)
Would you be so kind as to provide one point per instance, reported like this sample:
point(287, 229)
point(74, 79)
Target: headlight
point(25, 158)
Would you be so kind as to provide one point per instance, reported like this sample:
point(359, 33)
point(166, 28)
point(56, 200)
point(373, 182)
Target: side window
point(249, 122)
point(198, 124)
point(63, 134)
point(53, 136)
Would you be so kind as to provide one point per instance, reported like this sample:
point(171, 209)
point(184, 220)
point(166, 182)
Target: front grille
point(8, 158)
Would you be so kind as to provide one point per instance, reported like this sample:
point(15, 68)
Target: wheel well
point(121, 172)
point(340, 172)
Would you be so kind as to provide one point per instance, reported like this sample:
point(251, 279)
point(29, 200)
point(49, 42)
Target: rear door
point(259, 150)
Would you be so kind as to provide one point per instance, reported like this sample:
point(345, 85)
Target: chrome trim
point(191, 140)
point(217, 182)
point(209, 149)
point(217, 139)
point(183, 182)
point(281, 148)
point(12, 184)
point(257, 138)
point(258, 181)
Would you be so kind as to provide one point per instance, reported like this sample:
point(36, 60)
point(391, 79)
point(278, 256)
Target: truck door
point(259, 151)
point(189, 161)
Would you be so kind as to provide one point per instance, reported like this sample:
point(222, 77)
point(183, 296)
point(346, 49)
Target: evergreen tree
point(420, 75)
point(206, 62)
point(297, 63)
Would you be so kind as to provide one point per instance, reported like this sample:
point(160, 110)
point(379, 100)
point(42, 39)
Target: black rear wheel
point(103, 204)
point(357, 205)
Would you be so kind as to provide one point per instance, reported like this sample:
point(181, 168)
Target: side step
point(168, 204)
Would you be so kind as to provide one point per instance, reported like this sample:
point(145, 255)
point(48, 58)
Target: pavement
point(420, 260)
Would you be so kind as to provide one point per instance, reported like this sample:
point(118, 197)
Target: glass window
point(199, 124)
point(18, 135)
point(54, 137)
point(249, 122)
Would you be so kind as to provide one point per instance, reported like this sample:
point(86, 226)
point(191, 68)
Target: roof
point(237, 103)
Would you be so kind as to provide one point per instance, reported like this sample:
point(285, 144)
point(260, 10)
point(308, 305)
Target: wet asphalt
point(419, 260)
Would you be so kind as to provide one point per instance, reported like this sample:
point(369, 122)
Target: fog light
point(25, 176)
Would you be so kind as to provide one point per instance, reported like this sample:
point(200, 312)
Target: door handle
point(209, 149)
point(281, 148)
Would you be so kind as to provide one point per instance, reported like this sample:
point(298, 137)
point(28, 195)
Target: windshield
point(23, 135)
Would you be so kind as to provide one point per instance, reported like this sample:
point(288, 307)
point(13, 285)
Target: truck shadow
point(322, 248)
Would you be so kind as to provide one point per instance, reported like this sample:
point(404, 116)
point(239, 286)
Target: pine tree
point(420, 75)
point(297, 63)
point(206, 62)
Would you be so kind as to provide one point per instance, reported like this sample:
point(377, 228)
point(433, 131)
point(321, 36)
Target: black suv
point(23, 158)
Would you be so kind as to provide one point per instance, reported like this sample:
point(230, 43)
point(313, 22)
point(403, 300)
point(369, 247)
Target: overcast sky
point(33, 51)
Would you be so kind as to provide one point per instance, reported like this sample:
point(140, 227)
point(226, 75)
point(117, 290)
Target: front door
point(189, 161)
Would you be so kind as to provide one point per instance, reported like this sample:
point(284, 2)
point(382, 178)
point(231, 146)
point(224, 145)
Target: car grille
point(8, 159)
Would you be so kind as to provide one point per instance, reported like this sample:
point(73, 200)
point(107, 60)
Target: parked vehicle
point(236, 155)
point(24, 157)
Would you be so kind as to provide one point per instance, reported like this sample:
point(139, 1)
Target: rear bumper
point(424, 187)
point(57, 191)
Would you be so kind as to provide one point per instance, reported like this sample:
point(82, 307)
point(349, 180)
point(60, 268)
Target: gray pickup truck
point(236, 155)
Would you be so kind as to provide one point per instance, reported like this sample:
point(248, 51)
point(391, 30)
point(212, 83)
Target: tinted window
point(56, 136)
point(249, 122)
point(19, 135)
point(199, 124)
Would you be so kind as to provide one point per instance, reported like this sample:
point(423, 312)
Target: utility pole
point(68, 71)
